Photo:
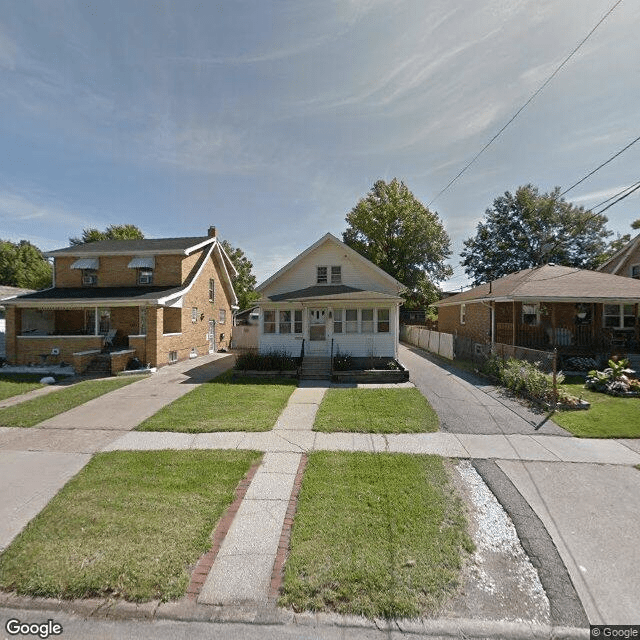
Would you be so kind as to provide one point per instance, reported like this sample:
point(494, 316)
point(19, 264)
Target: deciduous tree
point(528, 229)
point(112, 232)
point(244, 284)
point(23, 265)
point(394, 230)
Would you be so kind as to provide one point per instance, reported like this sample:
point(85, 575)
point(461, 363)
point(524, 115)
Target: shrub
point(522, 378)
point(614, 380)
point(342, 362)
point(270, 361)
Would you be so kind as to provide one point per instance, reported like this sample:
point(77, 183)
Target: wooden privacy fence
point(434, 341)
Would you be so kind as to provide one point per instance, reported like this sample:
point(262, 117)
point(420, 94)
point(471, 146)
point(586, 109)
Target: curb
point(187, 610)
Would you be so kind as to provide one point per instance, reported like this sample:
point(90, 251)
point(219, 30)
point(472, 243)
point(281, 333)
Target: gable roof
point(329, 237)
point(551, 283)
point(615, 262)
point(335, 292)
point(127, 247)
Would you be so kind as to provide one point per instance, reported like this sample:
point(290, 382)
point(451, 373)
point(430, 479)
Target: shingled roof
point(129, 247)
point(552, 283)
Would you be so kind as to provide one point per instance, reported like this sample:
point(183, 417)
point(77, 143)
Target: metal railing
point(331, 360)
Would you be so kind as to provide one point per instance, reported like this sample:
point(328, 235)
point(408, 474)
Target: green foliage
point(112, 232)
point(615, 379)
point(270, 361)
point(522, 378)
point(527, 229)
point(245, 282)
point(394, 230)
point(23, 265)
point(342, 362)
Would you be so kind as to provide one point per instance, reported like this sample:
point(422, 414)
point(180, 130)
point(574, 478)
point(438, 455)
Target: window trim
point(222, 316)
point(271, 322)
point(145, 270)
point(378, 322)
point(326, 274)
point(536, 313)
point(339, 274)
point(212, 290)
point(620, 315)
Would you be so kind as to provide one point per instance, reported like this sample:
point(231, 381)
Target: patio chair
point(108, 338)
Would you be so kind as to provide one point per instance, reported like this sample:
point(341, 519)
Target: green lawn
point(31, 412)
point(225, 404)
point(375, 411)
point(130, 524)
point(608, 416)
point(379, 535)
point(14, 385)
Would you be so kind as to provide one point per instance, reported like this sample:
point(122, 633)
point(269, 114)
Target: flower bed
point(375, 370)
point(616, 380)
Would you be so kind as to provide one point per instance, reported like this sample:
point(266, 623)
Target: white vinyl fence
point(434, 341)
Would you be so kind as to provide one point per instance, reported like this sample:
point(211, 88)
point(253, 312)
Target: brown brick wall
point(114, 272)
point(125, 320)
point(70, 321)
point(30, 348)
point(477, 325)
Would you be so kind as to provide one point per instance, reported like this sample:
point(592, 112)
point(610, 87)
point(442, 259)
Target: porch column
point(96, 321)
point(13, 329)
point(513, 323)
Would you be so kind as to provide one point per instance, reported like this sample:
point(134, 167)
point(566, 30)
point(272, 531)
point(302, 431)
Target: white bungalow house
point(330, 299)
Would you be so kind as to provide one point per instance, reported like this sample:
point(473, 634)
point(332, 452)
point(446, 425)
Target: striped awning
point(142, 263)
point(85, 263)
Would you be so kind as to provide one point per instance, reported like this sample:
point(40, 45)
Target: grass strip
point(31, 412)
point(379, 535)
point(130, 525)
point(375, 411)
point(15, 385)
point(608, 416)
point(225, 404)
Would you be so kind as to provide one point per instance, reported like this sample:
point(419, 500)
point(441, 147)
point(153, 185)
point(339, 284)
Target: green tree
point(527, 229)
point(23, 265)
point(112, 232)
point(244, 285)
point(394, 230)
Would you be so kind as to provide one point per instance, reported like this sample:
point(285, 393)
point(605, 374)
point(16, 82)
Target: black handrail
point(331, 361)
point(302, 350)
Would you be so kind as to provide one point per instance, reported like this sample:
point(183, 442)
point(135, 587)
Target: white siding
point(354, 272)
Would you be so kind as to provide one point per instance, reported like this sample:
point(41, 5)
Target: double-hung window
point(530, 314)
point(212, 290)
point(338, 315)
point(351, 320)
point(321, 275)
point(269, 322)
point(619, 316)
point(285, 321)
point(297, 321)
point(336, 274)
point(383, 320)
point(367, 320)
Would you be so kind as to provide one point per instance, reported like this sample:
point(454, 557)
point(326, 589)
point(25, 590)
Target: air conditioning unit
point(146, 278)
point(87, 280)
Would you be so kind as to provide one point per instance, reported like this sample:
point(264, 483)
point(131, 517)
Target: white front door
point(317, 331)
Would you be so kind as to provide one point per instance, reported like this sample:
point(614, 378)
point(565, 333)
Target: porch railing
point(561, 337)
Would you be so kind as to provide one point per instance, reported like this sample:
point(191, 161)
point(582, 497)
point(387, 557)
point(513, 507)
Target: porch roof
point(94, 295)
point(341, 293)
point(552, 283)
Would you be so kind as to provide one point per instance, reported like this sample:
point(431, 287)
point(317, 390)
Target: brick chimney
point(212, 232)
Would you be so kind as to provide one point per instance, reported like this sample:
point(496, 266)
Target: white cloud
point(8, 51)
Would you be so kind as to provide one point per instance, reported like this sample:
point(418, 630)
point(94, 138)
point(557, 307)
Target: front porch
point(571, 328)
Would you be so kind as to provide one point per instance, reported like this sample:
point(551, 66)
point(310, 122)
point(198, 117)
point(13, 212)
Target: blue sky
point(270, 118)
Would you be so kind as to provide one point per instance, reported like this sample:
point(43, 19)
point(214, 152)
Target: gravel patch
point(501, 579)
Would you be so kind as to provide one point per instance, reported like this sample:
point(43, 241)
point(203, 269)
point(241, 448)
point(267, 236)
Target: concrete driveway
point(469, 404)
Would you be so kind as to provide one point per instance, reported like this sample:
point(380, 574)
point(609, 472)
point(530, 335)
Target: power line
point(626, 195)
point(600, 166)
point(545, 83)
point(615, 195)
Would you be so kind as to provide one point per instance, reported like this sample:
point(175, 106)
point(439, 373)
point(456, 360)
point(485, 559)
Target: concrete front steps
point(99, 366)
point(315, 368)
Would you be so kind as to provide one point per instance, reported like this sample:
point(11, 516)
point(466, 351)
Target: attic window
point(336, 275)
point(321, 275)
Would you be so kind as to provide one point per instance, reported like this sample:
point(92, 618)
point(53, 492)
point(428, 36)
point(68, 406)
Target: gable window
point(383, 320)
point(338, 315)
point(336, 274)
point(297, 321)
point(194, 314)
point(284, 321)
point(321, 275)
point(635, 271)
point(89, 277)
point(269, 322)
point(619, 316)
point(463, 313)
point(222, 316)
point(212, 290)
point(351, 320)
point(145, 276)
point(531, 314)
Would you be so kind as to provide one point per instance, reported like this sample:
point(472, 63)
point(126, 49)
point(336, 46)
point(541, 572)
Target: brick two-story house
point(160, 300)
